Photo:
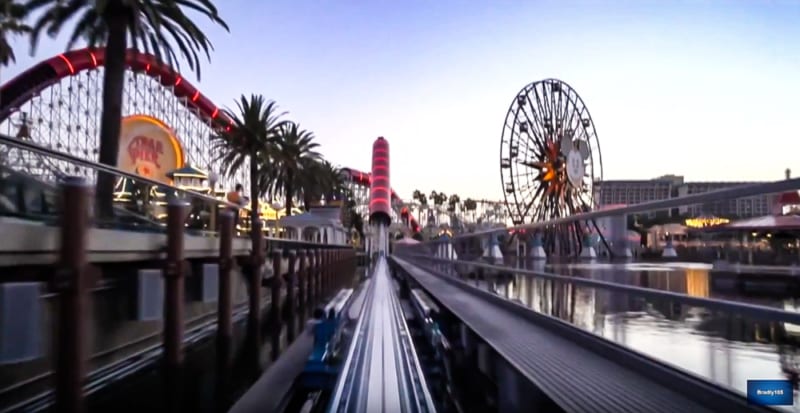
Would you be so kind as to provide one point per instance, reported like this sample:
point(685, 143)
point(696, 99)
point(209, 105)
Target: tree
point(12, 14)
point(310, 185)
point(154, 26)
point(452, 203)
point(420, 197)
point(294, 148)
point(438, 198)
point(471, 205)
point(255, 126)
point(318, 178)
point(351, 219)
point(333, 182)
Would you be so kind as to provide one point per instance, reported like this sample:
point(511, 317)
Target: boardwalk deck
point(573, 376)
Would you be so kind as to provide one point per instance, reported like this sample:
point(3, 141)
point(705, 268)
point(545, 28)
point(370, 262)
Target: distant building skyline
point(634, 191)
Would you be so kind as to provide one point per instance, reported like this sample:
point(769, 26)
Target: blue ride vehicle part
point(322, 370)
point(427, 312)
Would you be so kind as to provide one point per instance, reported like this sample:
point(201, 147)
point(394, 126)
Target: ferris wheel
point(549, 157)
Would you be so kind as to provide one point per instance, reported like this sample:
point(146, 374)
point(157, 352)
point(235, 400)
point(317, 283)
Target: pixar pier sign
point(148, 148)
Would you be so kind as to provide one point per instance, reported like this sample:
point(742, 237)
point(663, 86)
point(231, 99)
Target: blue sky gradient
point(706, 89)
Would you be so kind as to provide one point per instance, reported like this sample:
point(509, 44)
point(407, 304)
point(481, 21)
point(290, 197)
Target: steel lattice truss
point(57, 103)
point(360, 191)
point(549, 159)
point(66, 117)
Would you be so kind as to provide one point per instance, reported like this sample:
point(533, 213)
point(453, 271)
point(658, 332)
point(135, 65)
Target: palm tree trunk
point(253, 189)
point(111, 121)
point(289, 191)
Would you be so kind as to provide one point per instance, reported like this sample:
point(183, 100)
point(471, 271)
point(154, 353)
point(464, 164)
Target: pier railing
point(171, 252)
point(517, 264)
point(606, 231)
point(559, 303)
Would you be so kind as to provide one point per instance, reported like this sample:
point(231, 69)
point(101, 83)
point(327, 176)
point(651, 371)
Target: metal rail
point(752, 310)
point(578, 370)
point(41, 150)
point(381, 372)
point(711, 196)
point(35, 148)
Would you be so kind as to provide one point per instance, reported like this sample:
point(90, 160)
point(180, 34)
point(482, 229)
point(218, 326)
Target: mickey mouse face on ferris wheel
point(577, 152)
point(568, 144)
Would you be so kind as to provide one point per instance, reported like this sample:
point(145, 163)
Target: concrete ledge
point(33, 243)
point(273, 388)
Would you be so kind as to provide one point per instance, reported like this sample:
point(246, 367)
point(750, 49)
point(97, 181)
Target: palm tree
point(255, 125)
point(433, 195)
point(452, 203)
point(316, 179)
point(157, 26)
point(471, 205)
point(332, 181)
point(438, 198)
point(293, 150)
point(310, 189)
point(420, 197)
point(351, 219)
point(10, 24)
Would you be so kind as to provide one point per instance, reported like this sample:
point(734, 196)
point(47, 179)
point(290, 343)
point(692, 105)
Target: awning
point(763, 223)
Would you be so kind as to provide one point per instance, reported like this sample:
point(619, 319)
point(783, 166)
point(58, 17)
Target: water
point(726, 349)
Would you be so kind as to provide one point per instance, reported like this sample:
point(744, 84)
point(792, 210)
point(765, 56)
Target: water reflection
point(726, 349)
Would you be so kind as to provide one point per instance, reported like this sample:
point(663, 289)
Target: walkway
point(573, 376)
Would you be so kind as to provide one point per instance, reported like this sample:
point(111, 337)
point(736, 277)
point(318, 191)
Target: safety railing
point(729, 336)
point(31, 173)
point(45, 186)
point(679, 227)
point(726, 341)
point(710, 197)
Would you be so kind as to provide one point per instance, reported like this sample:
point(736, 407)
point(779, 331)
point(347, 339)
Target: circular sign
point(575, 168)
point(148, 148)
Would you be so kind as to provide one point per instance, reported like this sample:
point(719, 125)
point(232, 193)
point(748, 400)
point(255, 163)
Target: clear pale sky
point(706, 89)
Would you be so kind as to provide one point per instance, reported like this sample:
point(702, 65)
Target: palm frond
point(250, 138)
point(158, 27)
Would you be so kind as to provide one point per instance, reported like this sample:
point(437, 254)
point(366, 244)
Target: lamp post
point(213, 178)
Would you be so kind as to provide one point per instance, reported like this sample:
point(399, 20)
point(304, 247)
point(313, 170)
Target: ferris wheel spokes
point(550, 159)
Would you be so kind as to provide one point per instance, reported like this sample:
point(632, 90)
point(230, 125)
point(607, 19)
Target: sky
point(704, 89)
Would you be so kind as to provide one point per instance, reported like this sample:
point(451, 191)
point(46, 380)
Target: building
point(670, 186)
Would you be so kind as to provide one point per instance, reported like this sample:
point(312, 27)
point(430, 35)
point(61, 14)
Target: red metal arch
point(46, 73)
point(365, 179)
point(29, 83)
